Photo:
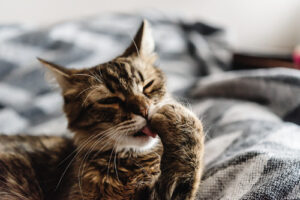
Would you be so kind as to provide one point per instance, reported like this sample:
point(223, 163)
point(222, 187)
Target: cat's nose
point(144, 112)
point(141, 110)
point(139, 106)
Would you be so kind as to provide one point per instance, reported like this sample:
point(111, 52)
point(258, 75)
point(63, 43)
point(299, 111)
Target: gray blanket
point(250, 117)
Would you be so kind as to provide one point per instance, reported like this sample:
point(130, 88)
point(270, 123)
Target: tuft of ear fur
point(61, 74)
point(143, 43)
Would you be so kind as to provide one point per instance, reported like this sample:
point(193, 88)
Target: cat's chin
point(141, 139)
point(138, 142)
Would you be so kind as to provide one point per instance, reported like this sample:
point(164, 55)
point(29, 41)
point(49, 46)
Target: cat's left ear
point(143, 43)
point(61, 74)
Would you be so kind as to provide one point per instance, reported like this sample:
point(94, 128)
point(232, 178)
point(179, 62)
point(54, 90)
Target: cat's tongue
point(146, 130)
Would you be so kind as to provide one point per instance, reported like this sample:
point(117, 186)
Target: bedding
point(251, 117)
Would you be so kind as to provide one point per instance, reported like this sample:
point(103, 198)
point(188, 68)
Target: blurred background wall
point(261, 26)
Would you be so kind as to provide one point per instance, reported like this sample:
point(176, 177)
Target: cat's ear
point(143, 43)
point(61, 74)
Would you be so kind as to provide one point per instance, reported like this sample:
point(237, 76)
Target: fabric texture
point(251, 118)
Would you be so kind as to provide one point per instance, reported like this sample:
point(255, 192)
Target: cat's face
point(107, 106)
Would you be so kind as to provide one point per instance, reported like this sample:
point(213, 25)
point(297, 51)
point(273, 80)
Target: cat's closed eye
point(110, 100)
point(147, 86)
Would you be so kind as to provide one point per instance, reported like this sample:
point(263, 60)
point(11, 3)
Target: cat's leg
point(17, 179)
point(182, 160)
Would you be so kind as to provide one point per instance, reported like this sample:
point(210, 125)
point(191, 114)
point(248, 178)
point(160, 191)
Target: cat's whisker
point(91, 87)
point(115, 163)
point(78, 149)
point(100, 150)
point(86, 98)
point(156, 154)
point(116, 169)
point(82, 165)
point(115, 157)
point(126, 125)
point(86, 155)
point(88, 76)
point(100, 73)
point(111, 155)
point(129, 128)
point(97, 142)
point(97, 77)
point(81, 146)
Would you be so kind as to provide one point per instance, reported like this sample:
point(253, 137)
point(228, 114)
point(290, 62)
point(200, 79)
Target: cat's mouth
point(145, 132)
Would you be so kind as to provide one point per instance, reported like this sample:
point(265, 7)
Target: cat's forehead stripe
point(120, 76)
point(141, 76)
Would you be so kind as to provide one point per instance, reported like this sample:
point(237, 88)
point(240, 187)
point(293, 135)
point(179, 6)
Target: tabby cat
point(131, 140)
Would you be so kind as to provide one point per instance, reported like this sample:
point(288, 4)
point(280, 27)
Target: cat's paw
point(173, 122)
point(163, 119)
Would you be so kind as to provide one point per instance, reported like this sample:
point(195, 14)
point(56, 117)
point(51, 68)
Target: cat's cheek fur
point(140, 144)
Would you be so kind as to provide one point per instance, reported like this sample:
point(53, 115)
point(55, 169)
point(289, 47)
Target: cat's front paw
point(174, 123)
point(162, 121)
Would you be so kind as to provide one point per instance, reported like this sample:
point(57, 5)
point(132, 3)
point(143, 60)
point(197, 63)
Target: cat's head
point(107, 105)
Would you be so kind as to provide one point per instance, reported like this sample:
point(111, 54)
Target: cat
point(131, 140)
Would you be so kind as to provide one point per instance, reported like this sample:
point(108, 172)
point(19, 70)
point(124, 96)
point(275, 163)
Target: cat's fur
point(110, 156)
